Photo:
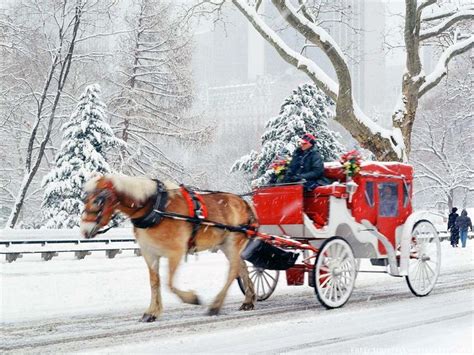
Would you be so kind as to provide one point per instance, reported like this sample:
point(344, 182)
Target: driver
point(306, 164)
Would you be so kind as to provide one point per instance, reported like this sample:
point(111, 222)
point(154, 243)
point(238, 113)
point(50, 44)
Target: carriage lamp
point(351, 188)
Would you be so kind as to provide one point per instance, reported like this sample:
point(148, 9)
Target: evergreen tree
point(306, 110)
point(86, 138)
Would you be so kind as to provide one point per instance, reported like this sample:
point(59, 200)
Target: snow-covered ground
point(93, 305)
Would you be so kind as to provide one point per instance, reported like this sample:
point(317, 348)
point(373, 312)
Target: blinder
point(99, 202)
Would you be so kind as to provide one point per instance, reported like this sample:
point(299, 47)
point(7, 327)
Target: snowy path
point(382, 314)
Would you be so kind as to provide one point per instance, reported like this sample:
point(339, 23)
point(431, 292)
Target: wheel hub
point(336, 271)
point(425, 257)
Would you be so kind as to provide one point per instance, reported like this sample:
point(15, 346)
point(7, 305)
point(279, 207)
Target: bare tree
point(40, 45)
point(154, 86)
point(443, 153)
point(51, 50)
point(69, 18)
point(387, 144)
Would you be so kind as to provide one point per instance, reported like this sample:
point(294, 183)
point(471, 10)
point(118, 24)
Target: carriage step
point(379, 262)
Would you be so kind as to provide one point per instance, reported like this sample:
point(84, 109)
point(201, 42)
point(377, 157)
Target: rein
point(195, 189)
point(247, 229)
point(102, 231)
point(199, 219)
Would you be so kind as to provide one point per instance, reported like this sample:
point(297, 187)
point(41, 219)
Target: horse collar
point(153, 217)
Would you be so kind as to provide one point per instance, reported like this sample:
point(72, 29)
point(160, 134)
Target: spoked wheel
point(425, 259)
point(264, 281)
point(335, 271)
point(357, 265)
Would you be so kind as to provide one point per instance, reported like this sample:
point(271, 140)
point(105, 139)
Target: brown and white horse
point(135, 197)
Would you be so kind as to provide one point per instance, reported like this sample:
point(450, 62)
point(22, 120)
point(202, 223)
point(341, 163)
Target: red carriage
point(368, 216)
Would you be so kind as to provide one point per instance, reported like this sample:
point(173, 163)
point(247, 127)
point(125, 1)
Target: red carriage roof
point(334, 169)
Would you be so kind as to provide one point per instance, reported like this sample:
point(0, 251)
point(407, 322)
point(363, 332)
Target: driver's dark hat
point(308, 138)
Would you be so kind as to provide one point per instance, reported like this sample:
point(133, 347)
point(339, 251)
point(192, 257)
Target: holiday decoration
point(351, 162)
point(280, 166)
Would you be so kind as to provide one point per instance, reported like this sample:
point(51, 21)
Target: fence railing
point(14, 243)
point(48, 243)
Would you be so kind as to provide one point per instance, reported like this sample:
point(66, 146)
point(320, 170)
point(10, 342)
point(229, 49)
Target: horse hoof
point(148, 318)
point(246, 307)
point(213, 311)
point(196, 300)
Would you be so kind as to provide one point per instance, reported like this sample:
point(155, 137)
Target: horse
point(144, 200)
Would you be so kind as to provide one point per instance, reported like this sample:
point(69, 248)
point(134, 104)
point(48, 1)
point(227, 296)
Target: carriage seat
point(334, 171)
point(316, 202)
point(335, 190)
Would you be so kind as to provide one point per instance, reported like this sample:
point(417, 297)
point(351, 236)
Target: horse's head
point(100, 202)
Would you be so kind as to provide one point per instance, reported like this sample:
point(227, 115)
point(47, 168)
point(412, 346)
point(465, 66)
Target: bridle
point(102, 197)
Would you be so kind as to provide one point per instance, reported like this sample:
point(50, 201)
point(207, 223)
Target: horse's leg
point(250, 297)
point(156, 306)
point(231, 250)
point(174, 259)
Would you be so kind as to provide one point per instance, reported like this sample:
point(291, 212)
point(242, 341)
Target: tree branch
point(324, 82)
point(448, 13)
point(442, 66)
point(424, 4)
point(443, 26)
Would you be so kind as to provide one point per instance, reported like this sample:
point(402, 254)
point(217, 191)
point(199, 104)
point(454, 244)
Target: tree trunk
point(32, 169)
point(450, 200)
point(412, 80)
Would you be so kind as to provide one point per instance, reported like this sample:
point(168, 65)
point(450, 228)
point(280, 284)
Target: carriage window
point(369, 193)
point(406, 193)
point(388, 199)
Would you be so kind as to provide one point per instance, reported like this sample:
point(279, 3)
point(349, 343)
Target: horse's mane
point(137, 187)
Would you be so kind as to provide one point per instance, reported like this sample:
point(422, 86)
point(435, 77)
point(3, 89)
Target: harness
point(154, 216)
point(198, 211)
point(197, 215)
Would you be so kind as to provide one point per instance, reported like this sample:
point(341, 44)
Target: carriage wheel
point(425, 259)
point(357, 265)
point(335, 271)
point(264, 281)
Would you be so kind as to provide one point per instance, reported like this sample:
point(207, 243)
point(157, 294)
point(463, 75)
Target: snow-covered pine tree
point(306, 110)
point(86, 138)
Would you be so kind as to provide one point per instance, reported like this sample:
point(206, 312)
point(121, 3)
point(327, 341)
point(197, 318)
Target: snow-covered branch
point(441, 68)
point(446, 24)
point(443, 14)
point(442, 154)
point(99, 35)
point(329, 86)
point(424, 4)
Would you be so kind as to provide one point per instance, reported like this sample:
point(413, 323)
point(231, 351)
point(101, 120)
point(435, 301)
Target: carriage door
point(388, 210)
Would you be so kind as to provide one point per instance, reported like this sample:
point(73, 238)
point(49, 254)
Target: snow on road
point(93, 305)
point(397, 327)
